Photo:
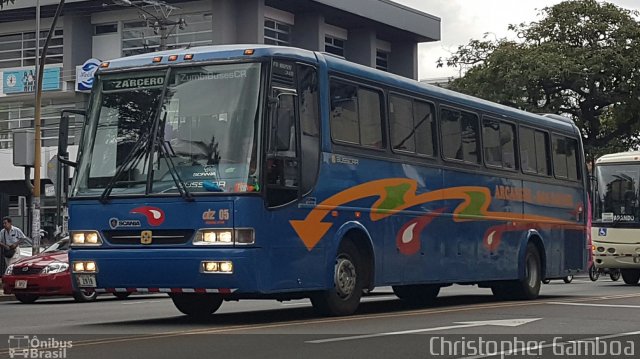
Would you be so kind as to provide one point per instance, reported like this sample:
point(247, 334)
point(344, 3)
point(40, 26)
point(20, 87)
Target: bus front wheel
point(196, 305)
point(344, 297)
point(630, 276)
point(528, 287)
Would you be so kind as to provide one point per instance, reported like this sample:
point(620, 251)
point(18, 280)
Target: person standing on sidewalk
point(10, 239)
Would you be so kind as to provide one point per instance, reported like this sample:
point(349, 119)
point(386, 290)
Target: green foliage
point(582, 60)
point(5, 2)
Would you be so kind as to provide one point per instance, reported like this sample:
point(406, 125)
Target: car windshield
point(190, 128)
point(616, 198)
point(61, 245)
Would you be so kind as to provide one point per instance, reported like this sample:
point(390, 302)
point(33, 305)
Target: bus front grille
point(158, 237)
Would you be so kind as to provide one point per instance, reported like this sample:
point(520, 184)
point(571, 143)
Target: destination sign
point(133, 83)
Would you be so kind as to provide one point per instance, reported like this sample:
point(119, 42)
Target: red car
point(45, 274)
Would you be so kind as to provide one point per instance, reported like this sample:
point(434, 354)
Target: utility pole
point(158, 20)
point(35, 209)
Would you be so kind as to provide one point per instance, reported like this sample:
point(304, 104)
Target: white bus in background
point(616, 214)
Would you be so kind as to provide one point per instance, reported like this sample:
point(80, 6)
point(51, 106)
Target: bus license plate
point(86, 281)
point(21, 284)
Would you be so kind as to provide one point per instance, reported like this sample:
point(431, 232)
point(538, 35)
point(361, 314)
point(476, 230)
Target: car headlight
point(9, 270)
point(55, 267)
point(224, 236)
point(85, 238)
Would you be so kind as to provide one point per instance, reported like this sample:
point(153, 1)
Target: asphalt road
point(605, 314)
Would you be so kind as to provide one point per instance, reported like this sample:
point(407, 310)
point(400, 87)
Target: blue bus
point(251, 171)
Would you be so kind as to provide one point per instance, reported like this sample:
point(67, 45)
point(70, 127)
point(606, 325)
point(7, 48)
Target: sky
point(463, 20)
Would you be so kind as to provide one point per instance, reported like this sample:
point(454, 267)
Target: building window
point(19, 49)
point(382, 60)
point(139, 38)
point(14, 116)
point(333, 45)
point(104, 29)
point(277, 33)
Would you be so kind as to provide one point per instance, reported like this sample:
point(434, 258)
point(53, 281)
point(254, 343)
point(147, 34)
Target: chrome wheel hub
point(345, 277)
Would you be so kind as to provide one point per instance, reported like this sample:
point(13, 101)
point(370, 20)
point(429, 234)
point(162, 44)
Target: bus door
point(291, 164)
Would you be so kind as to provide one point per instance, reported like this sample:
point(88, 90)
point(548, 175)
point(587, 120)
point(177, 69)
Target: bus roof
point(337, 64)
point(632, 156)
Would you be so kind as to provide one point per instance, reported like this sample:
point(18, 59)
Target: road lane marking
point(504, 353)
point(232, 329)
point(597, 305)
point(500, 323)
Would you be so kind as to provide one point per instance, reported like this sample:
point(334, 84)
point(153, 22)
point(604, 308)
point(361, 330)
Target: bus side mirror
point(63, 136)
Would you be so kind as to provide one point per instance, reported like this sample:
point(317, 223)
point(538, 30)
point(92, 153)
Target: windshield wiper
point(128, 163)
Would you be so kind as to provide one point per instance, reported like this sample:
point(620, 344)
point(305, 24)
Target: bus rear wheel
point(344, 297)
point(630, 276)
point(527, 288)
point(420, 294)
point(196, 305)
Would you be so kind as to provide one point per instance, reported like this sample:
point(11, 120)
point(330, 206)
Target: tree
point(5, 2)
point(581, 60)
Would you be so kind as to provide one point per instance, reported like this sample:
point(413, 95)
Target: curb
point(6, 297)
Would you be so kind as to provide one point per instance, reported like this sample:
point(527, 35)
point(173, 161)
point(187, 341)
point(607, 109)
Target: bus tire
point(420, 294)
point(630, 276)
point(348, 277)
point(196, 305)
point(26, 298)
point(527, 288)
point(83, 296)
point(568, 279)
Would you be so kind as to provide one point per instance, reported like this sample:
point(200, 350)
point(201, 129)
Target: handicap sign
point(602, 232)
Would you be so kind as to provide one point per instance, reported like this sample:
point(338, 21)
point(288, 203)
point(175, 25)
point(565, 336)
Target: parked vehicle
point(594, 273)
point(45, 274)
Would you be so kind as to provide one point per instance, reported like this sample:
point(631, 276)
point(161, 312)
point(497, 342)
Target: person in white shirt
point(10, 239)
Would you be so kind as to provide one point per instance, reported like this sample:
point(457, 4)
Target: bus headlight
point(85, 267)
point(224, 236)
point(224, 267)
point(85, 238)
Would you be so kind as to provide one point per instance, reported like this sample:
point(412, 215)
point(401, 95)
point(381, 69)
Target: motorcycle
point(594, 273)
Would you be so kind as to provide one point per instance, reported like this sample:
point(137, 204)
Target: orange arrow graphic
point(397, 194)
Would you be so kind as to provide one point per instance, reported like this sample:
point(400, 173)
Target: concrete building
point(376, 33)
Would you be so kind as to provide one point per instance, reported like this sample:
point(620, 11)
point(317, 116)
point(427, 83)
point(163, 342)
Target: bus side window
point(460, 135)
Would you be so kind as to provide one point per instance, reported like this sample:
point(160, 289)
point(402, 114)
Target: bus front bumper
point(167, 271)
point(616, 255)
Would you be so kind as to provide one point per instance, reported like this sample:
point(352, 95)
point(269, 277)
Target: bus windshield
point(193, 128)
point(616, 198)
